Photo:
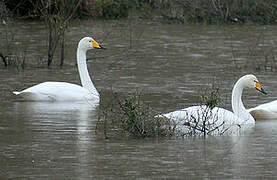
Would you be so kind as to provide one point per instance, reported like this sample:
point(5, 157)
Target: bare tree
point(56, 14)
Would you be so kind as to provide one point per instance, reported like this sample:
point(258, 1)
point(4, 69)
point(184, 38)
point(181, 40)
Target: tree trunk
point(50, 40)
point(62, 48)
point(53, 38)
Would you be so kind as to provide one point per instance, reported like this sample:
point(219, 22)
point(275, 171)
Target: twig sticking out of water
point(4, 59)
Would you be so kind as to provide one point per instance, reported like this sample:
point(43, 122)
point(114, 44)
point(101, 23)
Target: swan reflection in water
point(61, 132)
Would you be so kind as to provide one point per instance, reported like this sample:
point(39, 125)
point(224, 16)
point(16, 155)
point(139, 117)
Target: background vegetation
point(57, 15)
point(191, 11)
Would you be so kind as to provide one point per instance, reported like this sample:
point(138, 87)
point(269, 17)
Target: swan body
point(267, 111)
point(63, 91)
point(217, 119)
point(57, 91)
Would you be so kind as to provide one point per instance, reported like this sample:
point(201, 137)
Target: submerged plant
point(130, 116)
point(11, 53)
point(211, 99)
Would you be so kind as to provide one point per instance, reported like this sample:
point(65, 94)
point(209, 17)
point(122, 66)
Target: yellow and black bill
point(259, 88)
point(97, 45)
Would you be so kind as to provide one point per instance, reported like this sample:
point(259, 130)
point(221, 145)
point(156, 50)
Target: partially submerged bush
point(18, 61)
point(129, 116)
point(211, 99)
point(10, 53)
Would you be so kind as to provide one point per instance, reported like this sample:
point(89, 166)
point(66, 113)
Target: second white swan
point(63, 91)
point(218, 116)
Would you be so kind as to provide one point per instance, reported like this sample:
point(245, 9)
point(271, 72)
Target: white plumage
point(267, 111)
point(217, 119)
point(63, 91)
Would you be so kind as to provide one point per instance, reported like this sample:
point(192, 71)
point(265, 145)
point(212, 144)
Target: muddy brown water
point(171, 64)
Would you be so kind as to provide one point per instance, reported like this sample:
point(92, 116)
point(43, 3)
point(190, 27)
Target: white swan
point(63, 91)
point(217, 119)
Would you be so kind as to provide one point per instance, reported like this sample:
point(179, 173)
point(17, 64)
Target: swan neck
point(237, 104)
point(83, 72)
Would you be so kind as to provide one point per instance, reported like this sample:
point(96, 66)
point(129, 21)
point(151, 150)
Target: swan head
point(89, 43)
point(250, 81)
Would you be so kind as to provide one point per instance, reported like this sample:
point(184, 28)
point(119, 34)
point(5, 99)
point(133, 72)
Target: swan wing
point(201, 113)
point(16, 92)
point(216, 120)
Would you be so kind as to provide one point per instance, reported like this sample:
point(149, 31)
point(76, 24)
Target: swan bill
point(259, 88)
point(97, 45)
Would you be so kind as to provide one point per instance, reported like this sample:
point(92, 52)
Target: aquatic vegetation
point(18, 60)
point(211, 99)
point(130, 116)
point(4, 59)
point(11, 54)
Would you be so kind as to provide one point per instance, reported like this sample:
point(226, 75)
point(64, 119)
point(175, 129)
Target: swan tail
point(16, 92)
point(160, 116)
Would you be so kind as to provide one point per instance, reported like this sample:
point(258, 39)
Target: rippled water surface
point(171, 65)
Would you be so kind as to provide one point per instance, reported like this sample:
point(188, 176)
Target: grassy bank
point(182, 11)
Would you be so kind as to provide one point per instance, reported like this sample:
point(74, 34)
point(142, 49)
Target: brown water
point(170, 64)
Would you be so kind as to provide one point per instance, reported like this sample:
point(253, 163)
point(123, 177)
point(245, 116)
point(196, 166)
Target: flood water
point(170, 64)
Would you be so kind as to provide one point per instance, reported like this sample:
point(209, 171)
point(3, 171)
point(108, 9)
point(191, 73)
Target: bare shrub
point(130, 116)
